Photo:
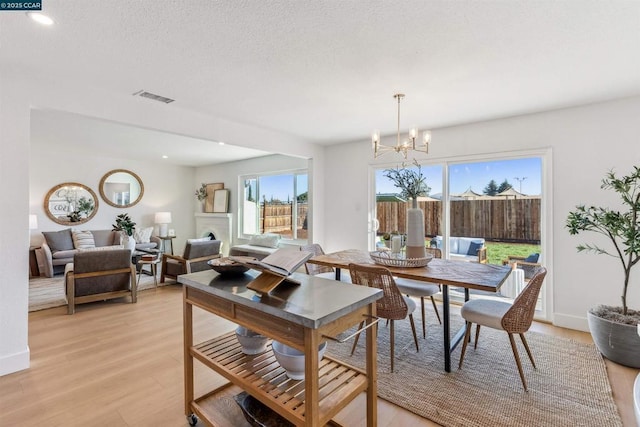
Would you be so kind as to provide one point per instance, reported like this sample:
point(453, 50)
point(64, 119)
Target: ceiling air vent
point(153, 96)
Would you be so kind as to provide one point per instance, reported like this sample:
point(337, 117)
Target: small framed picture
point(221, 201)
point(171, 232)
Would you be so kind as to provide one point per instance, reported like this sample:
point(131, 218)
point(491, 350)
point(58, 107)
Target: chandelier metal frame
point(405, 146)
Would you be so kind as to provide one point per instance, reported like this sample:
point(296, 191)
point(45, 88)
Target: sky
point(280, 187)
point(525, 175)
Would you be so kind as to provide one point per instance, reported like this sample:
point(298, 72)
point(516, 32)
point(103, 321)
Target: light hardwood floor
point(120, 364)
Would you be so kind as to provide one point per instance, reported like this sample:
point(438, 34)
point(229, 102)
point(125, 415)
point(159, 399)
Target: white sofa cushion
point(143, 235)
point(266, 240)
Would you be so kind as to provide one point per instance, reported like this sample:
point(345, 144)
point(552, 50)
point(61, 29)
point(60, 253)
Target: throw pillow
point(82, 239)
point(59, 240)
point(266, 240)
point(143, 235)
point(532, 258)
point(474, 247)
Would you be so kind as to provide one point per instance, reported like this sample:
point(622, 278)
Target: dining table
point(460, 274)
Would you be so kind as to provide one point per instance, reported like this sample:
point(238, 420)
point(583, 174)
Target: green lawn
point(496, 251)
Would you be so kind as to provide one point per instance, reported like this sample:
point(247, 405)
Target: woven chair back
point(519, 317)
point(392, 305)
point(313, 269)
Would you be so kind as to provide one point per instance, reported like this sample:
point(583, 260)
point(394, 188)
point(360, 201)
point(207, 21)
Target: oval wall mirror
point(121, 188)
point(70, 203)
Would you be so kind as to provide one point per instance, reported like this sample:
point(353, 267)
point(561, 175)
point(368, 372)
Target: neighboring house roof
point(510, 192)
point(469, 194)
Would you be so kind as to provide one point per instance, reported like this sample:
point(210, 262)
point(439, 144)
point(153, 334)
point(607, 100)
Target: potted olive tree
point(614, 328)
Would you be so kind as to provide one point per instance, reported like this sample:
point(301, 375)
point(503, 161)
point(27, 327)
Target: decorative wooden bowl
point(225, 266)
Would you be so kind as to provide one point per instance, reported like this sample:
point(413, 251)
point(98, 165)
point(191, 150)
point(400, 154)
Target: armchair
point(99, 275)
point(528, 264)
point(194, 258)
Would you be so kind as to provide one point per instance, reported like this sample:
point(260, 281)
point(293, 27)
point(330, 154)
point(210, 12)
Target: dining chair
point(513, 318)
point(392, 306)
point(414, 288)
point(321, 270)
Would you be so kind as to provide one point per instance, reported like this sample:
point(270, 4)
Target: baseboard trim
point(571, 322)
point(15, 362)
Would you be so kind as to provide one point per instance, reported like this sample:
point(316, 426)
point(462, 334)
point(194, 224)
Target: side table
point(153, 266)
point(34, 271)
point(165, 240)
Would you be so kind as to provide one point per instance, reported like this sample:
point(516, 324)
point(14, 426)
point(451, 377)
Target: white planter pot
point(128, 242)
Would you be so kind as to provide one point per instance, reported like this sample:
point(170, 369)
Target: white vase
point(415, 232)
point(128, 242)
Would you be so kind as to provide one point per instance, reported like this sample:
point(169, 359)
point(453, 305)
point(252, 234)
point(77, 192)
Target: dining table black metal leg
point(338, 274)
point(446, 328)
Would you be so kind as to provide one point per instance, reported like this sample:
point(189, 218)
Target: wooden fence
point(495, 220)
point(277, 217)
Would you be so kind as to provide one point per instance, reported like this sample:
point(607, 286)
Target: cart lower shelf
point(262, 377)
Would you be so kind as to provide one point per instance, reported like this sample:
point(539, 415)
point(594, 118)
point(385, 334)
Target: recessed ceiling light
point(164, 156)
point(40, 18)
point(220, 143)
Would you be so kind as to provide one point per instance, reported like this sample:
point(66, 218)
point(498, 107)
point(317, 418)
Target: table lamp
point(163, 219)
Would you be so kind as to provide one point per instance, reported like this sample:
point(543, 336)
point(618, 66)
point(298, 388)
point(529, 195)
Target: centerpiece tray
point(398, 260)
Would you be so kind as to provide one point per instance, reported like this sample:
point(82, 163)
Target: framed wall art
point(211, 189)
point(221, 201)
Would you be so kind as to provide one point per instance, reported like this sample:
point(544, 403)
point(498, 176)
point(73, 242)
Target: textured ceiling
point(326, 70)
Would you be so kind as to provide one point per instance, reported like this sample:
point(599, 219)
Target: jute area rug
point(47, 292)
point(569, 388)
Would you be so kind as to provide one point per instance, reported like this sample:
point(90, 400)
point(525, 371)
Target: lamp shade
point(163, 217)
point(33, 222)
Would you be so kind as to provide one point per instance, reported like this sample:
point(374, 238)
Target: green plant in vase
point(124, 224)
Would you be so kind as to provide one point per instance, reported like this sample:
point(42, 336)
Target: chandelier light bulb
point(426, 137)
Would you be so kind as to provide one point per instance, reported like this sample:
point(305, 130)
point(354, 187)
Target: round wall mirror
point(121, 188)
point(70, 203)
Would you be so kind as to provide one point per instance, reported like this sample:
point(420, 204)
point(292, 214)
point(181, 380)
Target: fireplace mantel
point(220, 224)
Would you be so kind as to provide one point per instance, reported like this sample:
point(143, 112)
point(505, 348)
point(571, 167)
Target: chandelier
point(407, 144)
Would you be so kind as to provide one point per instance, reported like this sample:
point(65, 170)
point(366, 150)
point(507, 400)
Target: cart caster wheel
point(192, 420)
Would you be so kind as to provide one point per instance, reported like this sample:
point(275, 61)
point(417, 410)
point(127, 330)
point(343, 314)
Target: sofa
point(59, 247)
point(259, 246)
point(464, 248)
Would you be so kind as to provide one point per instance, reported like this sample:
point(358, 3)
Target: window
point(498, 201)
point(275, 203)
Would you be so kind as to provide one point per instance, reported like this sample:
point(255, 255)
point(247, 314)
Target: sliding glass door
point(487, 210)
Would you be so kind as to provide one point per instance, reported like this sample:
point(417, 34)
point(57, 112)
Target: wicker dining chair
point(321, 270)
point(514, 318)
point(414, 288)
point(392, 306)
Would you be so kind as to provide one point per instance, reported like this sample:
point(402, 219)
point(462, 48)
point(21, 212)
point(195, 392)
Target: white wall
point(585, 142)
point(166, 188)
